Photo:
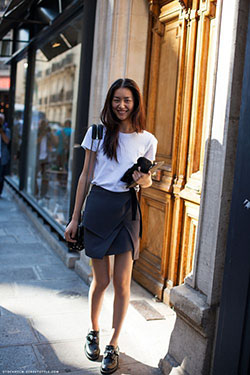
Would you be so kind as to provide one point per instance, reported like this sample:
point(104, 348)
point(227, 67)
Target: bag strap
point(97, 134)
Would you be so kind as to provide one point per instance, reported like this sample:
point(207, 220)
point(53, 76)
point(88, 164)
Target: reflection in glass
point(52, 130)
point(17, 129)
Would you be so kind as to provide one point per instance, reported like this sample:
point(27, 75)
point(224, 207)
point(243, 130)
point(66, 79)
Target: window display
point(52, 126)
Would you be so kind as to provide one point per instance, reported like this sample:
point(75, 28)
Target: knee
point(101, 284)
point(121, 287)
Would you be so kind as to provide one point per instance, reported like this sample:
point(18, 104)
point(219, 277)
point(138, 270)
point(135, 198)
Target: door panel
point(166, 91)
point(191, 212)
point(154, 245)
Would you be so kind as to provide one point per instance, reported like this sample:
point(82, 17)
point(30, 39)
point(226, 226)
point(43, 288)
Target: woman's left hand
point(142, 179)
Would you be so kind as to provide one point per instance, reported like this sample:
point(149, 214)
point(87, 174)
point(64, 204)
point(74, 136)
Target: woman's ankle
point(114, 343)
point(94, 328)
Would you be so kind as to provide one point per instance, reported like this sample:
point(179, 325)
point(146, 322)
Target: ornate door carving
point(177, 95)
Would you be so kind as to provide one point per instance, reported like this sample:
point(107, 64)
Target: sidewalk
point(44, 310)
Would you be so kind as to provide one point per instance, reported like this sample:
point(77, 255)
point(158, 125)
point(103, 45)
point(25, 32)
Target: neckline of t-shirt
point(129, 133)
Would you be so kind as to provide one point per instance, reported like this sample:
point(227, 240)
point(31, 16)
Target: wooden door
point(180, 53)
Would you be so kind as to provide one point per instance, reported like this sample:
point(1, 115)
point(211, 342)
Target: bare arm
point(81, 193)
point(4, 136)
point(82, 190)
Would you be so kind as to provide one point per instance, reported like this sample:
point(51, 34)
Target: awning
point(23, 13)
point(16, 13)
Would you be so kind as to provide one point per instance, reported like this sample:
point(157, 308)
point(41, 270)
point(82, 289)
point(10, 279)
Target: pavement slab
point(27, 238)
point(65, 356)
point(43, 305)
point(7, 240)
point(7, 290)
point(18, 360)
point(62, 326)
point(18, 227)
point(70, 289)
point(56, 271)
point(32, 260)
point(19, 249)
point(10, 274)
point(64, 288)
point(16, 330)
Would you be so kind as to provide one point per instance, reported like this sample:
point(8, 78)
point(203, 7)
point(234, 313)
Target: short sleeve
point(87, 141)
point(151, 149)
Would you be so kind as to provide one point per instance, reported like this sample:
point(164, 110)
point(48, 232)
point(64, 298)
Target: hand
point(143, 179)
point(70, 231)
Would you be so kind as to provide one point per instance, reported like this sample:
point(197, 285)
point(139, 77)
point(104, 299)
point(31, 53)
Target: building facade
point(188, 58)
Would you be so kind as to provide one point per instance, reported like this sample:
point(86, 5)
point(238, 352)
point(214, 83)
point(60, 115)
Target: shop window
point(52, 127)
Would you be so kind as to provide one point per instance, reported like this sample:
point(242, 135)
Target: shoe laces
point(109, 351)
point(92, 337)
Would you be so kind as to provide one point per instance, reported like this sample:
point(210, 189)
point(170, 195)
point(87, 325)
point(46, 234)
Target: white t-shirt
point(43, 149)
point(131, 146)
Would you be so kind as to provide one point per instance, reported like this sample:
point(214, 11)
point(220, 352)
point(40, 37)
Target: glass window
point(17, 129)
point(53, 122)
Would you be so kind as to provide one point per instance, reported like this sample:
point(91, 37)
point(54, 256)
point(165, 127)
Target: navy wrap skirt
point(112, 223)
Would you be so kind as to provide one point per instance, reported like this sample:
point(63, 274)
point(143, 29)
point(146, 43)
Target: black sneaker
point(91, 347)
point(110, 361)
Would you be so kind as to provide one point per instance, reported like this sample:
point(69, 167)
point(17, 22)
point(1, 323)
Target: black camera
point(142, 162)
point(145, 165)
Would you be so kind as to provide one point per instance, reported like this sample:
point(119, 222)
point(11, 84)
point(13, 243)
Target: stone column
point(119, 47)
point(196, 302)
point(119, 51)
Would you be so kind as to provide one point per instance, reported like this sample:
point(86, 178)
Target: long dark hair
point(111, 122)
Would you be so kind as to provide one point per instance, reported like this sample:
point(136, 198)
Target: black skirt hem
point(109, 227)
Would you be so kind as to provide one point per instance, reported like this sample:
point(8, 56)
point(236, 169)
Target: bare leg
point(101, 279)
point(122, 280)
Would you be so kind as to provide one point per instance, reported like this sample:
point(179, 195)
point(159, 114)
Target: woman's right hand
point(70, 231)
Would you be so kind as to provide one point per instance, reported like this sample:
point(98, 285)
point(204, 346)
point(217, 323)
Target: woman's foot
point(91, 347)
point(110, 361)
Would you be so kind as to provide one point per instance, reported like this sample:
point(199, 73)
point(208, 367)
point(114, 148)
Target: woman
point(45, 142)
point(112, 216)
point(4, 150)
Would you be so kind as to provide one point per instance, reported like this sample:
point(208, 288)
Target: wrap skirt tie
point(112, 223)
